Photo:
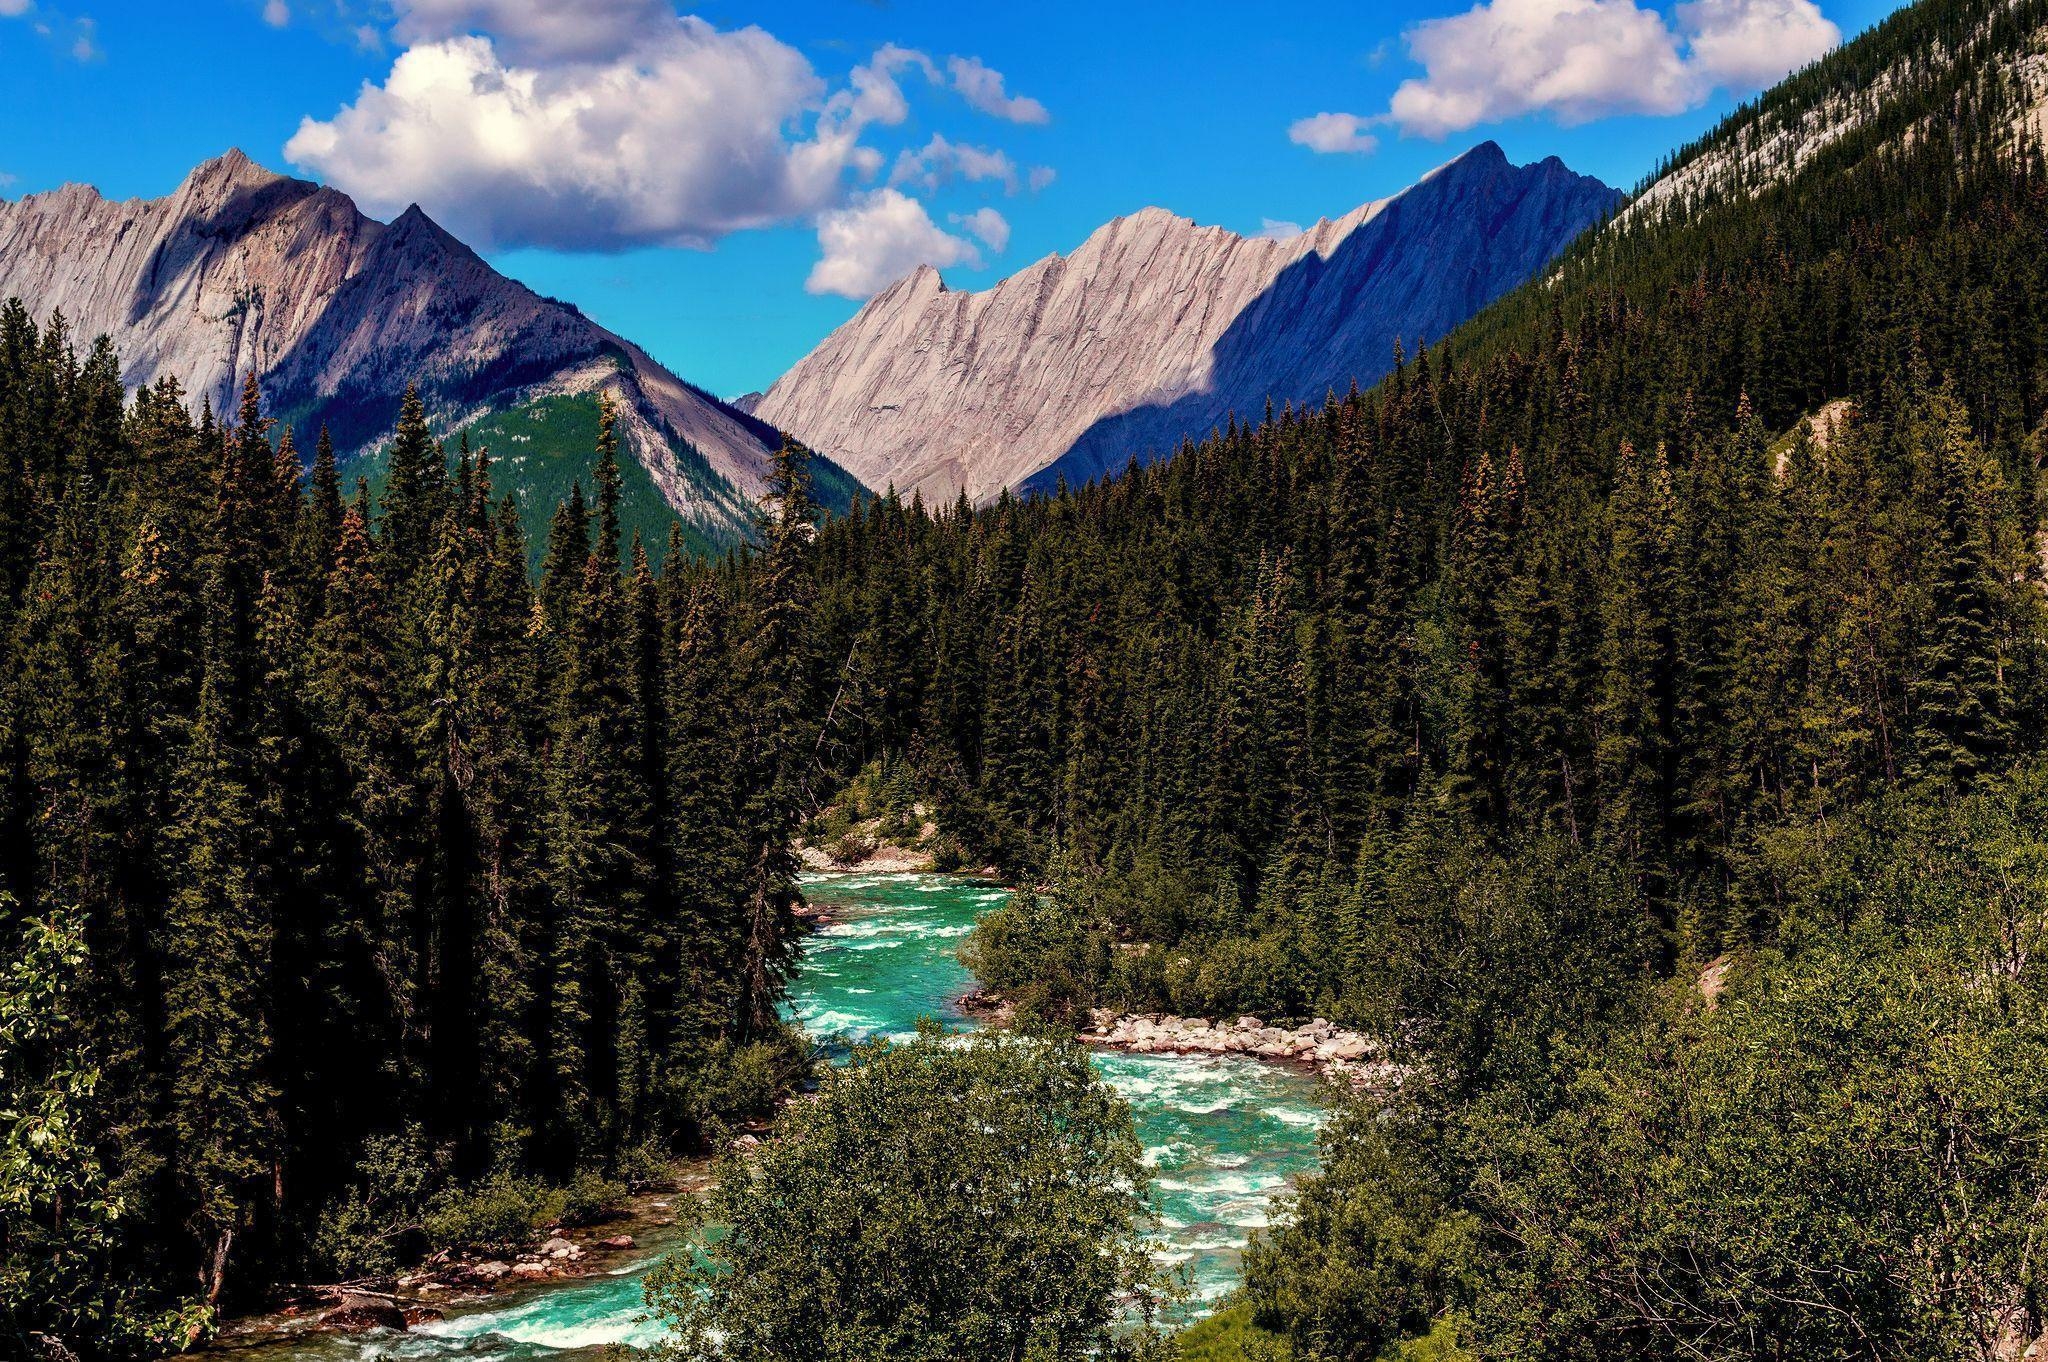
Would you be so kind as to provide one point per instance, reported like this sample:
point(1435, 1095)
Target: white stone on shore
point(1329, 1048)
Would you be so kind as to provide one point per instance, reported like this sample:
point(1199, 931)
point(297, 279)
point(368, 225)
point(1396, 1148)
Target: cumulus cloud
point(1041, 177)
point(940, 161)
point(982, 87)
point(1277, 229)
point(1748, 44)
point(987, 226)
point(877, 239)
point(14, 9)
point(276, 13)
point(538, 31)
point(620, 123)
point(1333, 132)
point(1580, 60)
point(615, 124)
point(681, 142)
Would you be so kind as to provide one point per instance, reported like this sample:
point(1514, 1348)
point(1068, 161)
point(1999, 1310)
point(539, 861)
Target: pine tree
point(780, 756)
point(1636, 708)
point(222, 1100)
point(1962, 702)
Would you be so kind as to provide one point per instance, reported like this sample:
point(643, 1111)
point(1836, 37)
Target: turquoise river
point(1224, 1135)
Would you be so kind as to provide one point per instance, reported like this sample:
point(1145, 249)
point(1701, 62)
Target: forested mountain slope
point(1488, 708)
point(1156, 330)
point(242, 270)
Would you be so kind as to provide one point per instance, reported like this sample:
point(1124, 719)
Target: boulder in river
point(360, 1310)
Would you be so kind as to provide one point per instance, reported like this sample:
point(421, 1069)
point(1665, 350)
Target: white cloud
point(1333, 132)
point(85, 40)
point(276, 13)
point(14, 9)
point(1276, 229)
point(987, 226)
point(982, 87)
point(619, 123)
point(1041, 177)
point(681, 141)
point(940, 161)
point(877, 239)
point(7, 180)
point(1580, 60)
point(538, 31)
point(1748, 44)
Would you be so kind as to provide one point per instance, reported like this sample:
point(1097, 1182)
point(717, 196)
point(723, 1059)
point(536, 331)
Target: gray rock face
point(242, 269)
point(1157, 329)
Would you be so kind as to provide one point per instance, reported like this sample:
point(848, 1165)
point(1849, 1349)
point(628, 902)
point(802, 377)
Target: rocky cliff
point(1157, 329)
point(241, 269)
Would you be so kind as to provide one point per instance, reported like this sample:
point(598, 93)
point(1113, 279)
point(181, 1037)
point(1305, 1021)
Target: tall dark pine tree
point(222, 1099)
point(1962, 702)
point(780, 759)
point(1637, 702)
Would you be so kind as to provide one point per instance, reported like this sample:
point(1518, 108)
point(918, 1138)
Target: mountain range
point(241, 270)
point(1157, 330)
point(1153, 331)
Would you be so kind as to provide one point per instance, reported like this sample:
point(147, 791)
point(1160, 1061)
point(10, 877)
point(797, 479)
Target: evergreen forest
point(1632, 710)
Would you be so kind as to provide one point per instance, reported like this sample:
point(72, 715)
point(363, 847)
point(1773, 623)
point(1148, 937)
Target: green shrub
point(1230, 1336)
point(499, 1215)
point(1042, 952)
point(850, 848)
point(733, 1085)
point(378, 1224)
point(949, 1198)
point(591, 1198)
point(947, 854)
point(646, 1165)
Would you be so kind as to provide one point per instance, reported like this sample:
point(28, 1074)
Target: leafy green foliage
point(1040, 951)
point(61, 1218)
point(1230, 1336)
point(937, 1199)
point(1847, 1148)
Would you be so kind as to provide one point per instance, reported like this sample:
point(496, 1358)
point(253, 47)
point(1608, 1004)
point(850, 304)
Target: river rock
point(358, 1312)
point(491, 1273)
point(1331, 1049)
point(619, 1241)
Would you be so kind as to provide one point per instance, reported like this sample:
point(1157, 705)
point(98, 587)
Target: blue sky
point(723, 183)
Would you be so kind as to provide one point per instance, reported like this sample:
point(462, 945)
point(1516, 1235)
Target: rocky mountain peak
point(242, 269)
point(1156, 328)
point(232, 173)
